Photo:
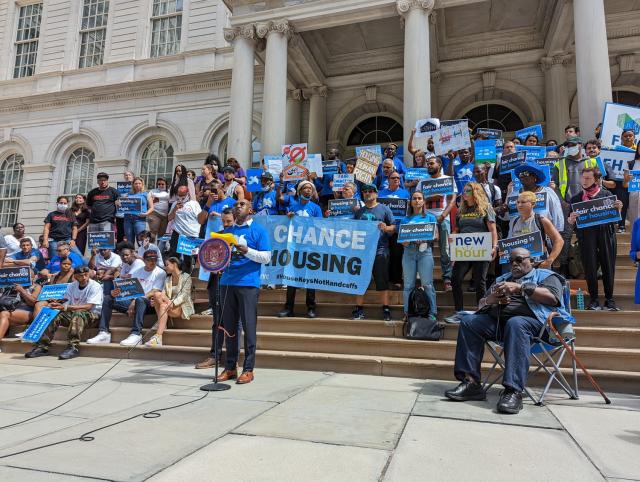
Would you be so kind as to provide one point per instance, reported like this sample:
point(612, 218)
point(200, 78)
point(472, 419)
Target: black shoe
point(311, 313)
point(594, 305)
point(466, 391)
point(286, 313)
point(510, 401)
point(386, 314)
point(69, 353)
point(36, 351)
point(611, 305)
point(357, 314)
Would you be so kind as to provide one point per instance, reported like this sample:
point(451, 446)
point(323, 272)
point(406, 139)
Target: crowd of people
point(191, 205)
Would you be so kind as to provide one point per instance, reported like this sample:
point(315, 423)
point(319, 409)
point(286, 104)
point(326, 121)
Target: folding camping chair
point(548, 350)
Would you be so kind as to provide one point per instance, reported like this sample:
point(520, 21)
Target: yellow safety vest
point(563, 177)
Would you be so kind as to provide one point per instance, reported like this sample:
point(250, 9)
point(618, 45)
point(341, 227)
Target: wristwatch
point(529, 288)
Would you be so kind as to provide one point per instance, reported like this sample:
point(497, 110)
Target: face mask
point(266, 188)
point(572, 151)
point(62, 207)
point(306, 198)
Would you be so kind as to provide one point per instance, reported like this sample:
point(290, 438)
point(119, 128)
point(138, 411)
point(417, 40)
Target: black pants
point(187, 261)
point(216, 350)
point(240, 302)
point(120, 231)
point(291, 298)
point(622, 193)
point(598, 249)
point(396, 250)
point(479, 273)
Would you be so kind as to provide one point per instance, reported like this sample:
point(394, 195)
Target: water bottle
point(580, 299)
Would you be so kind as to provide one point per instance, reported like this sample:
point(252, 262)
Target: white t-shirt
point(128, 268)
point(13, 244)
point(161, 206)
point(90, 294)
point(149, 280)
point(114, 261)
point(186, 220)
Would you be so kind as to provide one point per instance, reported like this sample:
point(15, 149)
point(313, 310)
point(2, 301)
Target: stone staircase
point(608, 343)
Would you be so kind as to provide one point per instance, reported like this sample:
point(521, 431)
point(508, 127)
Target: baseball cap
point(150, 254)
point(228, 169)
point(369, 187)
point(102, 175)
point(267, 175)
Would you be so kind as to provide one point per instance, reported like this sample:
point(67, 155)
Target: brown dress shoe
point(227, 375)
point(246, 377)
point(207, 363)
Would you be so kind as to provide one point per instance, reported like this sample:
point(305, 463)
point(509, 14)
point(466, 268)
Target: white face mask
point(62, 207)
point(572, 151)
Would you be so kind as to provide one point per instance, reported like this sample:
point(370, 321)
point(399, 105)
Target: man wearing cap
point(532, 177)
point(151, 279)
point(103, 202)
point(373, 211)
point(232, 188)
point(264, 201)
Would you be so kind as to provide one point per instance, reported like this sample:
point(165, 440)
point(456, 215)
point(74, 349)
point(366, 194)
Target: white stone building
point(104, 85)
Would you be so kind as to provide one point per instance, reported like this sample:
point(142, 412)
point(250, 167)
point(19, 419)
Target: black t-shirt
point(518, 305)
point(61, 225)
point(102, 204)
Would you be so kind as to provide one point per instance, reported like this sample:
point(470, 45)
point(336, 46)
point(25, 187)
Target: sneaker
point(357, 314)
point(610, 305)
point(155, 340)
point(510, 401)
point(386, 314)
point(102, 337)
point(131, 340)
point(454, 319)
point(208, 312)
point(622, 229)
point(594, 306)
point(19, 335)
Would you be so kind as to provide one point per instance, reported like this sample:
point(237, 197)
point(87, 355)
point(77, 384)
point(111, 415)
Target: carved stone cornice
point(563, 59)
point(403, 6)
point(242, 31)
point(277, 26)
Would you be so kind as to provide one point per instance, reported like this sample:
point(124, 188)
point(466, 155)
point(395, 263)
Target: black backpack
point(418, 303)
point(418, 325)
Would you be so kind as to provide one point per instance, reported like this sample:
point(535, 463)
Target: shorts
point(381, 272)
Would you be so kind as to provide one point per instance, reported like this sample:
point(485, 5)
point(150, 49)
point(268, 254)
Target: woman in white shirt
point(157, 220)
point(184, 215)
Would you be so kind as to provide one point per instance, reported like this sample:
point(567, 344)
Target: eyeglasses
point(518, 259)
point(394, 178)
point(525, 174)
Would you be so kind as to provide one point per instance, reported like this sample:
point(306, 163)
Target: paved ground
point(295, 426)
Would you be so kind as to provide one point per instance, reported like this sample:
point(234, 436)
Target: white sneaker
point(208, 312)
point(155, 340)
point(131, 340)
point(102, 337)
point(453, 319)
point(19, 335)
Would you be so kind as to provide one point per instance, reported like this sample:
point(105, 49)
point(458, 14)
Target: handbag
point(422, 328)
point(9, 299)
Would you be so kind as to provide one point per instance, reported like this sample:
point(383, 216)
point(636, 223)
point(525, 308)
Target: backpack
point(418, 303)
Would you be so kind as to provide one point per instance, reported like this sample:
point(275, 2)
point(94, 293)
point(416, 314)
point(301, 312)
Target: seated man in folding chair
point(514, 312)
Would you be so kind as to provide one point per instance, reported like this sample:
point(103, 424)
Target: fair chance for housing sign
point(320, 253)
point(595, 212)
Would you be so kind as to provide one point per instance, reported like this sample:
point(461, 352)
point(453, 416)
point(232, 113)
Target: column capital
point(278, 26)
point(247, 31)
point(561, 59)
point(404, 6)
point(319, 91)
point(295, 94)
point(436, 76)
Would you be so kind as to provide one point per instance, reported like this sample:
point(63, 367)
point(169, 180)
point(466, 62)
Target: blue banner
point(595, 212)
point(416, 174)
point(320, 253)
point(485, 151)
point(530, 241)
point(634, 183)
point(342, 208)
point(523, 133)
point(416, 232)
point(508, 162)
point(440, 186)
point(19, 275)
point(130, 205)
point(39, 324)
point(253, 180)
point(188, 246)
point(533, 152)
point(130, 288)
point(123, 187)
point(53, 292)
point(101, 239)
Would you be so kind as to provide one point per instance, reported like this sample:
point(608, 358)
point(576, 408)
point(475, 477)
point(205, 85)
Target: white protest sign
point(314, 163)
point(426, 127)
point(367, 164)
point(616, 162)
point(294, 153)
point(618, 117)
point(471, 247)
point(452, 136)
point(274, 165)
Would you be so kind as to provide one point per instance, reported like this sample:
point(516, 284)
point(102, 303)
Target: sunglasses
point(468, 191)
point(519, 259)
point(394, 178)
point(525, 174)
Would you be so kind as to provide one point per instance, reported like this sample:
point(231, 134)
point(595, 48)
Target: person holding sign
point(79, 309)
point(65, 276)
point(136, 222)
point(174, 301)
point(102, 200)
point(417, 257)
point(264, 201)
point(22, 314)
point(27, 256)
point(184, 215)
point(475, 216)
point(598, 244)
point(633, 212)
point(532, 178)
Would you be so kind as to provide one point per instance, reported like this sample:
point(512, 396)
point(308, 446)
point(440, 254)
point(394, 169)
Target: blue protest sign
point(416, 174)
point(342, 208)
point(53, 292)
point(616, 162)
point(530, 241)
point(440, 186)
point(416, 232)
point(398, 206)
point(101, 239)
point(18, 275)
point(508, 162)
point(320, 253)
point(634, 183)
point(330, 167)
point(40, 324)
point(130, 288)
point(339, 180)
point(253, 180)
point(485, 151)
point(489, 133)
point(547, 161)
point(595, 212)
point(130, 205)
point(512, 206)
point(523, 133)
point(123, 187)
point(188, 246)
point(533, 152)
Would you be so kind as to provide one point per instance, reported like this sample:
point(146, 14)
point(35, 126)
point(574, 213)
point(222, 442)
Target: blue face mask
point(306, 198)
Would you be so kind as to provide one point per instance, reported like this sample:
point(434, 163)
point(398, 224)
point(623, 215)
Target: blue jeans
point(133, 225)
point(516, 333)
point(53, 247)
point(444, 229)
point(415, 261)
point(142, 307)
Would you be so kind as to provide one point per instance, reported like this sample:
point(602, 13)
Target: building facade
point(109, 85)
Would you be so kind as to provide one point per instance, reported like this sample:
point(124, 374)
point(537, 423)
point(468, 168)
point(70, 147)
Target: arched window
point(79, 176)
point(494, 116)
point(157, 161)
point(626, 97)
point(10, 189)
point(375, 130)
point(256, 147)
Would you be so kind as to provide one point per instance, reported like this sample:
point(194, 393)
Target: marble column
point(592, 62)
point(294, 105)
point(241, 102)
point(317, 139)
point(417, 80)
point(274, 99)
point(557, 103)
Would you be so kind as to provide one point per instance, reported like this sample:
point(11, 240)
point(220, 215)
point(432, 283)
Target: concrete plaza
point(295, 426)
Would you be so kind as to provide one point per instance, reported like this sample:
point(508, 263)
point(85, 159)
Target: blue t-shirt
point(382, 181)
point(242, 271)
point(379, 212)
point(265, 202)
point(397, 163)
point(76, 261)
point(214, 223)
point(39, 264)
point(309, 210)
point(420, 218)
point(399, 193)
